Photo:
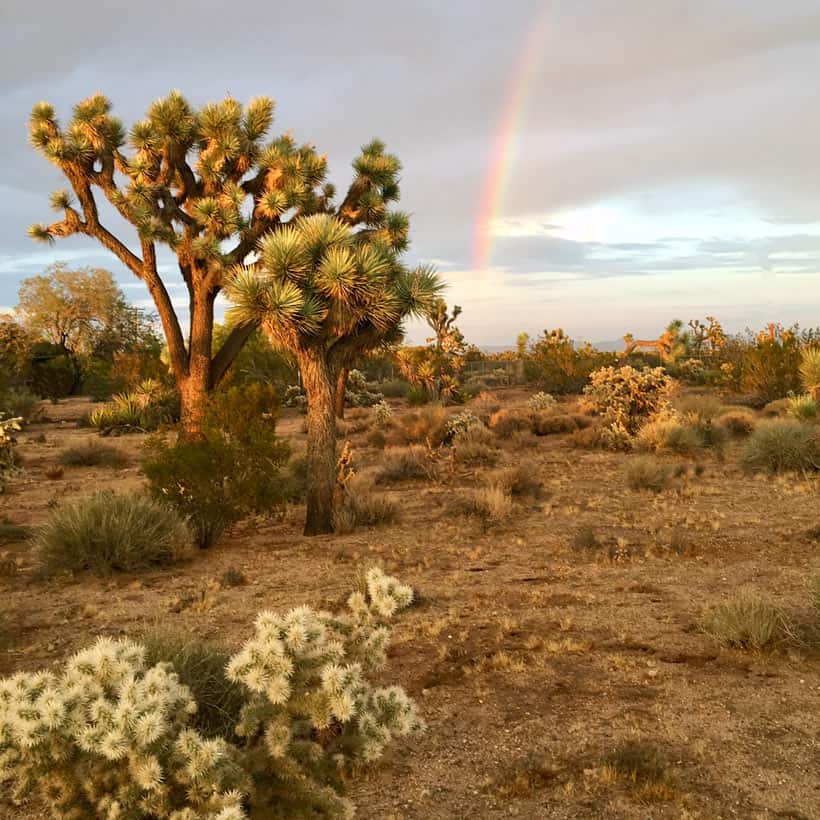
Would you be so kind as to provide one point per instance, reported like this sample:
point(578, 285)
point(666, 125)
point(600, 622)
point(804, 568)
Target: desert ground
point(555, 681)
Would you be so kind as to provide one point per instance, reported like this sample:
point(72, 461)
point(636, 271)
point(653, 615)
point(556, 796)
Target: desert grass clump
point(475, 445)
point(546, 423)
point(747, 621)
point(647, 473)
point(505, 423)
point(92, 454)
point(200, 665)
point(406, 464)
point(427, 425)
point(107, 532)
point(666, 434)
point(643, 769)
point(522, 480)
point(585, 540)
point(803, 408)
point(699, 406)
point(362, 506)
point(738, 423)
point(491, 505)
point(376, 439)
point(782, 446)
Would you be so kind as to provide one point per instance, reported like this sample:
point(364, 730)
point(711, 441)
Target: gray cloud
point(641, 99)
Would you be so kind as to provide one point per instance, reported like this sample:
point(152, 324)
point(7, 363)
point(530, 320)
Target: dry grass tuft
point(491, 505)
point(738, 423)
point(523, 481)
point(647, 473)
point(747, 621)
point(92, 454)
point(475, 445)
point(363, 507)
point(406, 464)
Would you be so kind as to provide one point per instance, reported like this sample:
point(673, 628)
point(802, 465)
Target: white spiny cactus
point(110, 738)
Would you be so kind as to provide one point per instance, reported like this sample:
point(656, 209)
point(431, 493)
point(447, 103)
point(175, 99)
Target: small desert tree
point(326, 292)
point(207, 185)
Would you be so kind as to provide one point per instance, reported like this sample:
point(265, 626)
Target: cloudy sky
point(602, 166)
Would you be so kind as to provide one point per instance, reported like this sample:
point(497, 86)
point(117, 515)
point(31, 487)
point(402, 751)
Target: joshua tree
point(443, 324)
point(207, 185)
point(326, 292)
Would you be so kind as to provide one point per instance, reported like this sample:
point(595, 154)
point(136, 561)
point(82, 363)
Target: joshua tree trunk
point(321, 442)
point(341, 391)
point(195, 385)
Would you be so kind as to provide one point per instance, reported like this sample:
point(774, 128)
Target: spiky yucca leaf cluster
point(319, 282)
point(110, 738)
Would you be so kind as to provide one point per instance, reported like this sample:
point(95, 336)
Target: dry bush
point(548, 424)
point(585, 540)
point(747, 621)
point(92, 454)
point(106, 532)
point(776, 408)
point(377, 439)
point(485, 404)
point(782, 446)
point(491, 505)
point(647, 473)
point(476, 445)
point(361, 506)
point(643, 769)
point(699, 406)
point(738, 423)
point(427, 425)
point(406, 463)
point(666, 434)
point(504, 423)
point(522, 481)
point(523, 440)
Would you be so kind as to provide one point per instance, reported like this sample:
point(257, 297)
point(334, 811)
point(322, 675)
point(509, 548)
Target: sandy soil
point(532, 662)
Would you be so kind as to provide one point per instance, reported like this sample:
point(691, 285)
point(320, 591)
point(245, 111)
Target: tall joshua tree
point(207, 184)
point(326, 291)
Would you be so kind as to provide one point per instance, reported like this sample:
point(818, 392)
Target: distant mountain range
point(610, 345)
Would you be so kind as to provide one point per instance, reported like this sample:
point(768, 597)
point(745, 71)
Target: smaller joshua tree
point(110, 738)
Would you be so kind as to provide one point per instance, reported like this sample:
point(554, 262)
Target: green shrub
point(234, 472)
point(647, 473)
point(106, 532)
point(416, 396)
point(554, 362)
point(394, 388)
point(771, 367)
point(20, 404)
point(405, 464)
point(747, 621)
point(782, 446)
point(92, 454)
point(107, 735)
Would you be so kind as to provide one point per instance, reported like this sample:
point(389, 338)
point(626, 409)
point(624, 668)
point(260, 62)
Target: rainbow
point(504, 149)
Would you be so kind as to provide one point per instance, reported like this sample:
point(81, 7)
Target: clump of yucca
point(810, 370)
point(782, 446)
point(110, 736)
point(406, 463)
point(541, 401)
point(106, 532)
point(747, 621)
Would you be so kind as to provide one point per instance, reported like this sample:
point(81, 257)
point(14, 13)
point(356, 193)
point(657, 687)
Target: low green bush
point(107, 532)
point(782, 446)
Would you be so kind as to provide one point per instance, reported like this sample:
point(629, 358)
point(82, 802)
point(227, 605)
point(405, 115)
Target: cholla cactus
point(460, 423)
point(541, 401)
point(383, 413)
point(8, 427)
point(627, 398)
point(110, 739)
